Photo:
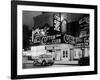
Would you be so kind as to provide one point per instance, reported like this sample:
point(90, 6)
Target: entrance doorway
point(65, 54)
point(58, 54)
point(71, 54)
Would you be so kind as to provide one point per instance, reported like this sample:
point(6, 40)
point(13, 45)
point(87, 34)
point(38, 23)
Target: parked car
point(43, 59)
point(84, 61)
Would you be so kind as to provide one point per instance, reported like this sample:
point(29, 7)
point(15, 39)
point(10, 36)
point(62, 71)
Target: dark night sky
point(29, 21)
point(28, 17)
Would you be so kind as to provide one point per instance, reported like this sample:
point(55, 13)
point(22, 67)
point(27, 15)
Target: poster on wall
point(52, 39)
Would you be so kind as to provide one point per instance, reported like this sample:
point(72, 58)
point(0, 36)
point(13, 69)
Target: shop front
point(61, 52)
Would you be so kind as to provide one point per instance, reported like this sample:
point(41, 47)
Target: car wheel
point(51, 63)
point(34, 64)
point(43, 63)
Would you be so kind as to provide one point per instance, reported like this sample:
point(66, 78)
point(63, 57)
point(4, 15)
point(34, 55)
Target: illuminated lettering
point(85, 19)
point(69, 39)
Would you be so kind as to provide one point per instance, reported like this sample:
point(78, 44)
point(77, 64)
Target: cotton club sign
point(51, 39)
point(68, 39)
point(55, 39)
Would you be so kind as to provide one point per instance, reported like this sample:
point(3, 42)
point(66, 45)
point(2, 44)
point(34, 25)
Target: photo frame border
point(14, 38)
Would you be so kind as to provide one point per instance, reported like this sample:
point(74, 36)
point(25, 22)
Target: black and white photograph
point(53, 39)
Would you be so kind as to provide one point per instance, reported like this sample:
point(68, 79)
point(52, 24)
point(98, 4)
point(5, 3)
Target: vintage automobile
point(43, 59)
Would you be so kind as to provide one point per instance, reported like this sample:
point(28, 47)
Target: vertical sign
point(57, 21)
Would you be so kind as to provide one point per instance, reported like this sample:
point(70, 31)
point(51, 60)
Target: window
point(63, 53)
point(66, 53)
point(75, 53)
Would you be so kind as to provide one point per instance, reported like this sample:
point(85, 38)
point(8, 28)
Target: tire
point(43, 63)
point(51, 64)
point(34, 64)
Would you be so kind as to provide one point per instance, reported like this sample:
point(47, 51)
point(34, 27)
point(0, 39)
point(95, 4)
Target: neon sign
point(54, 39)
point(57, 21)
point(85, 19)
point(69, 39)
point(50, 39)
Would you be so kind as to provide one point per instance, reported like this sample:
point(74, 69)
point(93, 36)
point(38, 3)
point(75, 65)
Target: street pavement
point(30, 65)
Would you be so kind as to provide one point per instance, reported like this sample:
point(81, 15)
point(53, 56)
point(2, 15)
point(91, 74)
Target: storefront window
point(63, 54)
point(66, 53)
point(75, 53)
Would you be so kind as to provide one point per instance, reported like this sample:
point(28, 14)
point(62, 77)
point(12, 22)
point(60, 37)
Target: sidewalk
point(65, 62)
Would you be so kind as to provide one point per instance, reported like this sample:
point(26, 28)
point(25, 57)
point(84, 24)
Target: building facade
point(69, 43)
